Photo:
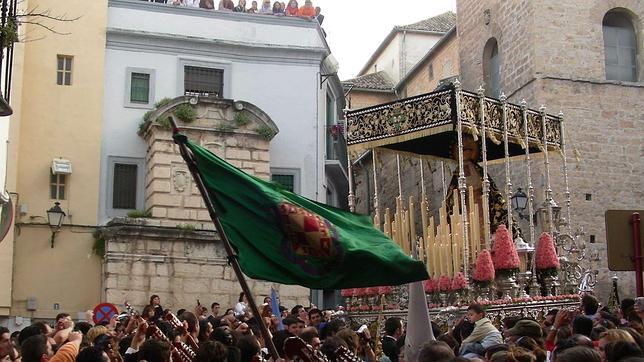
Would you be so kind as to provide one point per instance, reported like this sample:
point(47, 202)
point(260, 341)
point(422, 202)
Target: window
point(491, 68)
point(57, 186)
point(139, 88)
point(286, 181)
point(64, 70)
point(124, 191)
point(203, 81)
point(125, 185)
point(620, 47)
point(288, 178)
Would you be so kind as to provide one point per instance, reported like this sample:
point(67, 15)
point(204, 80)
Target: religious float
point(472, 247)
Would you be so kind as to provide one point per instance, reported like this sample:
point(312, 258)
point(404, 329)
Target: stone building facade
point(174, 252)
point(553, 53)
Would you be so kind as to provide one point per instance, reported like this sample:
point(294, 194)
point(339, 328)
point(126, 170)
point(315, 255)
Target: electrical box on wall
point(32, 304)
point(61, 166)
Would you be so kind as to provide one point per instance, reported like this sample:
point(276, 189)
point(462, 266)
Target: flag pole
point(232, 257)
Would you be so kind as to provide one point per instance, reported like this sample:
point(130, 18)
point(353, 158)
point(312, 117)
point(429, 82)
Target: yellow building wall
point(444, 63)
point(68, 274)
point(54, 121)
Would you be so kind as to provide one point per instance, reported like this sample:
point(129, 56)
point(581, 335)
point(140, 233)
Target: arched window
point(491, 68)
point(620, 46)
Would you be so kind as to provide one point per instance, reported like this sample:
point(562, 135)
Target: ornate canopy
point(426, 124)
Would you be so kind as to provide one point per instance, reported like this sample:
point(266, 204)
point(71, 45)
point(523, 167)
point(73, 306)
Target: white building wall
point(415, 46)
point(275, 66)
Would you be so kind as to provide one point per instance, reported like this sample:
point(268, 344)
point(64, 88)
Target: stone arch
point(257, 114)
point(491, 63)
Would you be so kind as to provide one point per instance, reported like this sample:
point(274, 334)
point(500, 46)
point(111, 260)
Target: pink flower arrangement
point(359, 292)
point(385, 290)
point(346, 292)
point(371, 291)
point(459, 282)
point(484, 269)
point(429, 285)
point(504, 255)
point(546, 254)
point(444, 284)
point(364, 308)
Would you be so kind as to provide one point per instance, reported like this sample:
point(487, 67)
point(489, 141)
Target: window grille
point(124, 187)
point(203, 81)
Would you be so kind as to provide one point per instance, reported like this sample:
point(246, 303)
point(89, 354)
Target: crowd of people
point(589, 334)
point(278, 8)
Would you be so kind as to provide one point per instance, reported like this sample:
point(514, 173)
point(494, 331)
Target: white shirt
point(240, 309)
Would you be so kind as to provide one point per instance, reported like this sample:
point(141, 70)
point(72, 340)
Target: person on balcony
point(307, 11)
point(253, 8)
point(186, 3)
point(291, 9)
point(266, 8)
point(277, 8)
point(226, 5)
point(241, 7)
point(207, 4)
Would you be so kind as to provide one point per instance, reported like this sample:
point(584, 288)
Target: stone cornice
point(147, 228)
point(138, 41)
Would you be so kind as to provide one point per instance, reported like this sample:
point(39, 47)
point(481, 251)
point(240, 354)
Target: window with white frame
point(64, 69)
point(57, 186)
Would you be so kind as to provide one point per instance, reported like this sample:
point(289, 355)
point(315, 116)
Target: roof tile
point(440, 23)
point(379, 81)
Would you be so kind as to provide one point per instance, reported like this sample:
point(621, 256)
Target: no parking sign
point(104, 312)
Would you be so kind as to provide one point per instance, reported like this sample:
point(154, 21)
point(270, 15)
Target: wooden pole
point(181, 140)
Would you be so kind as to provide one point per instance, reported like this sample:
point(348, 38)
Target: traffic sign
point(104, 312)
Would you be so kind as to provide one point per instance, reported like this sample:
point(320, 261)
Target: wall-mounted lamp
point(519, 202)
point(55, 217)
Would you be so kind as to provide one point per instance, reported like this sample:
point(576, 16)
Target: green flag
point(285, 238)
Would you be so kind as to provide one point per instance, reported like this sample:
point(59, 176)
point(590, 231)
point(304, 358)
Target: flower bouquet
point(459, 287)
point(546, 261)
point(444, 286)
point(504, 254)
point(484, 270)
point(431, 288)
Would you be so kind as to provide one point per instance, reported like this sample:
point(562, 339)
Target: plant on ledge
point(138, 214)
point(186, 113)
point(265, 132)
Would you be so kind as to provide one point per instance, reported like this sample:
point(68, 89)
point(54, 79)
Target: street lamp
point(55, 217)
point(519, 202)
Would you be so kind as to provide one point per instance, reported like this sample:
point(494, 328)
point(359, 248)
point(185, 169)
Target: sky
point(355, 29)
